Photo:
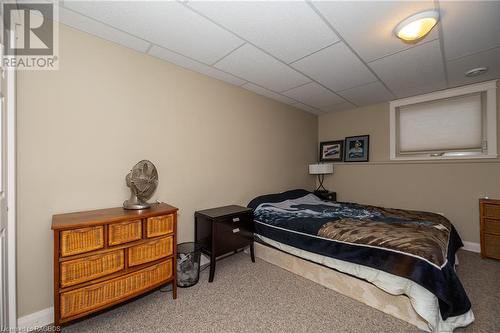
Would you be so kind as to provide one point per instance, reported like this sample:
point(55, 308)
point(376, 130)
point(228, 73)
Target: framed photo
point(357, 148)
point(331, 151)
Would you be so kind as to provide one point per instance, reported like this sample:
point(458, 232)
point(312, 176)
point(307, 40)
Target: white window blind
point(452, 124)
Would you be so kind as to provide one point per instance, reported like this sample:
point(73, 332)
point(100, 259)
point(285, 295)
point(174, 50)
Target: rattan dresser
point(104, 257)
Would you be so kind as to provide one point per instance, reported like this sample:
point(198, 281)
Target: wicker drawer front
point(85, 269)
point(150, 251)
point(124, 232)
point(93, 297)
point(81, 240)
point(492, 211)
point(160, 225)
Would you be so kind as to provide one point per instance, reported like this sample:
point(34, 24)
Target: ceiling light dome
point(417, 26)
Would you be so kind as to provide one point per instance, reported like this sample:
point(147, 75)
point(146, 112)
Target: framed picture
point(331, 151)
point(357, 148)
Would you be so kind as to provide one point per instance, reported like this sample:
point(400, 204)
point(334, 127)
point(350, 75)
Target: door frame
point(10, 101)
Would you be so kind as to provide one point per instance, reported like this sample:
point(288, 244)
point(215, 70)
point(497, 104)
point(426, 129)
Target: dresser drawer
point(81, 240)
point(89, 268)
point(492, 245)
point(124, 232)
point(491, 211)
point(159, 225)
point(99, 295)
point(491, 226)
point(151, 251)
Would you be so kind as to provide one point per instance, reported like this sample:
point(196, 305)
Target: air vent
point(476, 71)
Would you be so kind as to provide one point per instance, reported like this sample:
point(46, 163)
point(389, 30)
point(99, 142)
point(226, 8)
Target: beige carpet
point(260, 297)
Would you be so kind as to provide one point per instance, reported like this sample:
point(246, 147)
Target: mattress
point(417, 246)
point(424, 303)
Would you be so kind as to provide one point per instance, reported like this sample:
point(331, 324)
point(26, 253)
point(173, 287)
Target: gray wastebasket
point(188, 264)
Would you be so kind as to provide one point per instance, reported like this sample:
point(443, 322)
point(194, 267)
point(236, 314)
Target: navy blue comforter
point(419, 246)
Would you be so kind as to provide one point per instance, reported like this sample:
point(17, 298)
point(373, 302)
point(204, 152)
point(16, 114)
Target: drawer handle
point(99, 256)
point(82, 231)
point(155, 242)
point(127, 222)
point(92, 288)
point(236, 219)
point(159, 218)
point(236, 230)
point(152, 268)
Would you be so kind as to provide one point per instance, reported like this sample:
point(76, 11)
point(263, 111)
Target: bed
point(399, 251)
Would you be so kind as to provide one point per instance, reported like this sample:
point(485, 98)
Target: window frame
point(488, 88)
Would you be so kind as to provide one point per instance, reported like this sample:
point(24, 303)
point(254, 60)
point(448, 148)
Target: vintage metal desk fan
point(142, 180)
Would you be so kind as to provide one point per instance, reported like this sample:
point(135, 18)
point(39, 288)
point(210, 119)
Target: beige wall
point(452, 188)
point(82, 128)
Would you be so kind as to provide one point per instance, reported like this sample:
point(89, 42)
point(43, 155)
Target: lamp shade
point(320, 168)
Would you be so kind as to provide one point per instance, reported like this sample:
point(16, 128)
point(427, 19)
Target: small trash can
point(188, 264)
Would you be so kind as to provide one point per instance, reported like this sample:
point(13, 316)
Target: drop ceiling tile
point(368, 26)
point(336, 67)
point(268, 93)
point(341, 107)
point(457, 68)
point(253, 65)
point(288, 30)
point(98, 29)
point(308, 109)
point(367, 94)
point(470, 27)
point(166, 23)
point(414, 71)
point(314, 95)
point(193, 65)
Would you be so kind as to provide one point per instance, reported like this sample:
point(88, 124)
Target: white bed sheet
point(423, 301)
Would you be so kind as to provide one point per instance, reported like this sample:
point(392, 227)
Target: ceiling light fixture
point(417, 26)
point(476, 71)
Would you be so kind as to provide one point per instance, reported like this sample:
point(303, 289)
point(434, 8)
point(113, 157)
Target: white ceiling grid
point(319, 56)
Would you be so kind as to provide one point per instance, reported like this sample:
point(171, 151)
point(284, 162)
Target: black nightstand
point(328, 196)
point(223, 230)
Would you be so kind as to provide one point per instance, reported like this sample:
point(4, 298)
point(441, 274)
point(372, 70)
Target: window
point(453, 123)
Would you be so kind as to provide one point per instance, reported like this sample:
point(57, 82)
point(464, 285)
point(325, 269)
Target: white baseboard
point(472, 247)
point(36, 320)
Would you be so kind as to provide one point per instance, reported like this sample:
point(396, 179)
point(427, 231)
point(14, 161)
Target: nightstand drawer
point(233, 233)
point(328, 196)
point(237, 228)
point(231, 240)
point(243, 221)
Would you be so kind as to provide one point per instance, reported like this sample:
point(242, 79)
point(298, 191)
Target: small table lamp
point(321, 169)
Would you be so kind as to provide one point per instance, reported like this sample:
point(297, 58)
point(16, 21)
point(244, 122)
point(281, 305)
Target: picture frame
point(331, 151)
point(357, 148)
